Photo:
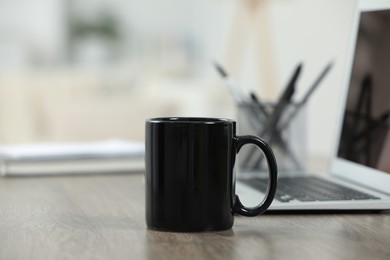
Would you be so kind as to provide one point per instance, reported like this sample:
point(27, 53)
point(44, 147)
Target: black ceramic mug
point(190, 184)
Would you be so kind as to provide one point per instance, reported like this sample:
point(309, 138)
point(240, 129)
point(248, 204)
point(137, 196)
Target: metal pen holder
point(287, 136)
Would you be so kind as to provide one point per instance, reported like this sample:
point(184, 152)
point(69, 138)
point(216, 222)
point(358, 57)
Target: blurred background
point(96, 69)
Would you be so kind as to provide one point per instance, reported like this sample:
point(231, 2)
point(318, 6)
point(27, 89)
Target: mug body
point(189, 173)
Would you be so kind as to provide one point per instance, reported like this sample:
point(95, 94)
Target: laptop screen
point(365, 136)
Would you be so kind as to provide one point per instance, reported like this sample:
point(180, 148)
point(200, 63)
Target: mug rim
point(190, 120)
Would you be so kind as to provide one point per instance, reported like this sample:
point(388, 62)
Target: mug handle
point(238, 207)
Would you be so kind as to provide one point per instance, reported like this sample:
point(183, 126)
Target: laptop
point(359, 175)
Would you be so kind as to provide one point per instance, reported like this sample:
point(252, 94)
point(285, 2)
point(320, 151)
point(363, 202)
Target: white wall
point(270, 38)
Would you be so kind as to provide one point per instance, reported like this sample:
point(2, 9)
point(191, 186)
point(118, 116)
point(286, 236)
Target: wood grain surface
point(102, 217)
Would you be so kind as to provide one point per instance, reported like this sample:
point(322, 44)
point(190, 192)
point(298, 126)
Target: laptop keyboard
point(309, 188)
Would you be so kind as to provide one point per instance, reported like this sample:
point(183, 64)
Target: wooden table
point(102, 217)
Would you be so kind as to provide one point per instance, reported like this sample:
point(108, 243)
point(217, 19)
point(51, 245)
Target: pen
point(235, 89)
point(302, 103)
point(284, 100)
point(277, 134)
point(307, 95)
point(240, 99)
point(256, 102)
point(278, 110)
